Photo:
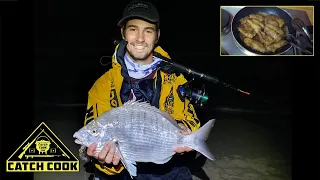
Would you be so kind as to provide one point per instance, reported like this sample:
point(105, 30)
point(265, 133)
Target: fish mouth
point(78, 139)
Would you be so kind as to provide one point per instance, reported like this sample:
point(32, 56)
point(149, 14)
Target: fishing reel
point(196, 96)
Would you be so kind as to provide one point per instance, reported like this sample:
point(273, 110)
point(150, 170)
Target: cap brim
point(138, 16)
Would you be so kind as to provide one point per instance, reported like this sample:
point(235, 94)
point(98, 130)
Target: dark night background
point(71, 36)
point(68, 38)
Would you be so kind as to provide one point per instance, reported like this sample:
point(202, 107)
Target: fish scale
point(141, 129)
point(142, 133)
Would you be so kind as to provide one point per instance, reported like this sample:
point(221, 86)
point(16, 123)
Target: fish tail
point(196, 140)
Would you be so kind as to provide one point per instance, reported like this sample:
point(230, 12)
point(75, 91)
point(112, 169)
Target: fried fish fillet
point(243, 20)
point(244, 24)
point(272, 22)
point(255, 45)
point(277, 37)
point(247, 26)
point(264, 38)
point(258, 23)
point(262, 14)
point(262, 32)
point(273, 47)
point(276, 29)
point(254, 26)
point(246, 33)
point(257, 17)
point(245, 29)
point(275, 18)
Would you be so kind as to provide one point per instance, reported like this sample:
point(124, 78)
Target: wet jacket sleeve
point(98, 103)
point(184, 110)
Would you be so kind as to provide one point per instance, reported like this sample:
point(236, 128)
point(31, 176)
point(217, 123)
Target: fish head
point(92, 132)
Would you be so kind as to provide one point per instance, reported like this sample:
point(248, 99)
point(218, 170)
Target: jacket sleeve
point(98, 103)
point(97, 99)
point(184, 110)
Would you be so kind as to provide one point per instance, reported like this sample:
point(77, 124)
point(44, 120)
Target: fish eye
point(94, 132)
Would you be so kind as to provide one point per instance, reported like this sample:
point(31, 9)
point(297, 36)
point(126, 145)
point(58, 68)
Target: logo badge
point(42, 151)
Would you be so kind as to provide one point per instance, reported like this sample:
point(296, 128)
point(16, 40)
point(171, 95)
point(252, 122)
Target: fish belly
point(145, 136)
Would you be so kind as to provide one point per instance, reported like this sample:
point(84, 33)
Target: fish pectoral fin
point(129, 165)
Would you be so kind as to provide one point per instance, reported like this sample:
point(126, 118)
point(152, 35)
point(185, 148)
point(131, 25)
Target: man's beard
point(143, 58)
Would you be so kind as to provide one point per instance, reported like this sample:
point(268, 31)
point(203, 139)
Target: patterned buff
point(138, 71)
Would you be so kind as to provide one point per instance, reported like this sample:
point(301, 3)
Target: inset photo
point(267, 30)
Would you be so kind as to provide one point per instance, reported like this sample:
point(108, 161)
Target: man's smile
point(139, 47)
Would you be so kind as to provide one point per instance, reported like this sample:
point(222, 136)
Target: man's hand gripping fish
point(142, 133)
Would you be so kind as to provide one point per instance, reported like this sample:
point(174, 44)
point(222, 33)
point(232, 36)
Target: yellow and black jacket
point(113, 88)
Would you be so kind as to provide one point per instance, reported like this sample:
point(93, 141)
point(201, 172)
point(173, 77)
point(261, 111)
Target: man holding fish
point(135, 75)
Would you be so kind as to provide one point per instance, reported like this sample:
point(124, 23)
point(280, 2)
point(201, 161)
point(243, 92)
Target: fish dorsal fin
point(148, 107)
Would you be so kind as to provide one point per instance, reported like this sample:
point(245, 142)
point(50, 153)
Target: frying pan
point(246, 11)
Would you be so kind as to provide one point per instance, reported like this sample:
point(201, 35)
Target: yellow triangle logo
point(42, 151)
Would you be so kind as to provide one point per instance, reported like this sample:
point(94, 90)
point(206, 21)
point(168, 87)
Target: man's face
point(141, 38)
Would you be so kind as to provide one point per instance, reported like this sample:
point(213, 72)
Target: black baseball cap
point(142, 10)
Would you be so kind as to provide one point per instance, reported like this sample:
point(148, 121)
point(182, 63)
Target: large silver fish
point(143, 133)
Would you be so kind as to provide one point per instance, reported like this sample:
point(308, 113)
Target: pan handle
point(299, 47)
point(309, 29)
point(295, 43)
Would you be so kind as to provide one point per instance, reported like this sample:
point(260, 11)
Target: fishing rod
point(199, 97)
